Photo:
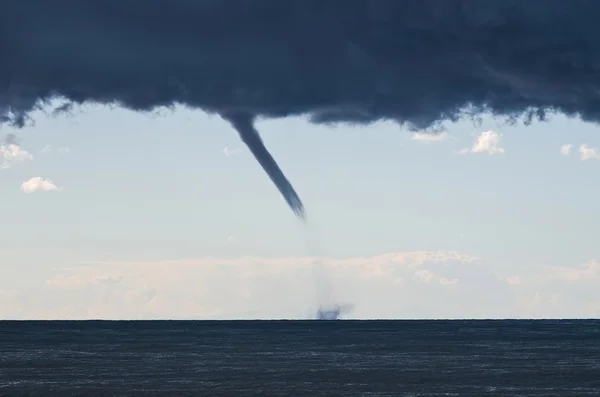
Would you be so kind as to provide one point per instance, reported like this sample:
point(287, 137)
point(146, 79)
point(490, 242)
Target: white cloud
point(12, 153)
point(588, 153)
point(445, 281)
point(38, 184)
point(565, 149)
point(227, 151)
point(559, 291)
point(487, 142)
point(426, 276)
point(422, 284)
point(429, 138)
point(394, 285)
point(589, 271)
point(82, 281)
point(52, 149)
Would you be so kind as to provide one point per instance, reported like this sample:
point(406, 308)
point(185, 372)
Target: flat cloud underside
point(359, 61)
point(415, 62)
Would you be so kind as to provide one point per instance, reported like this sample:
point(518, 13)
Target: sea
point(300, 358)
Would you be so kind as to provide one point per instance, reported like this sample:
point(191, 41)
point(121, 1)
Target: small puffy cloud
point(52, 149)
point(565, 149)
point(588, 272)
point(38, 184)
point(428, 277)
point(228, 152)
point(445, 281)
point(12, 153)
point(429, 138)
point(588, 153)
point(487, 142)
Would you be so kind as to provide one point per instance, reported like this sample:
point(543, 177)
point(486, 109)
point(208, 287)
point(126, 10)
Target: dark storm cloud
point(417, 62)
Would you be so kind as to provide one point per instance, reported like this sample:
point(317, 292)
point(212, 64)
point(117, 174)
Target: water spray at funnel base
point(332, 313)
point(328, 306)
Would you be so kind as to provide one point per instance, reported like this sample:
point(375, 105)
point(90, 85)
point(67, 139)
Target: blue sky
point(168, 216)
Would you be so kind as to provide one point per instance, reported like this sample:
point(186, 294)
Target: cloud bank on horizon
point(416, 62)
point(391, 285)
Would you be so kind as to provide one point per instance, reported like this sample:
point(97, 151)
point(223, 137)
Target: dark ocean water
point(300, 358)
